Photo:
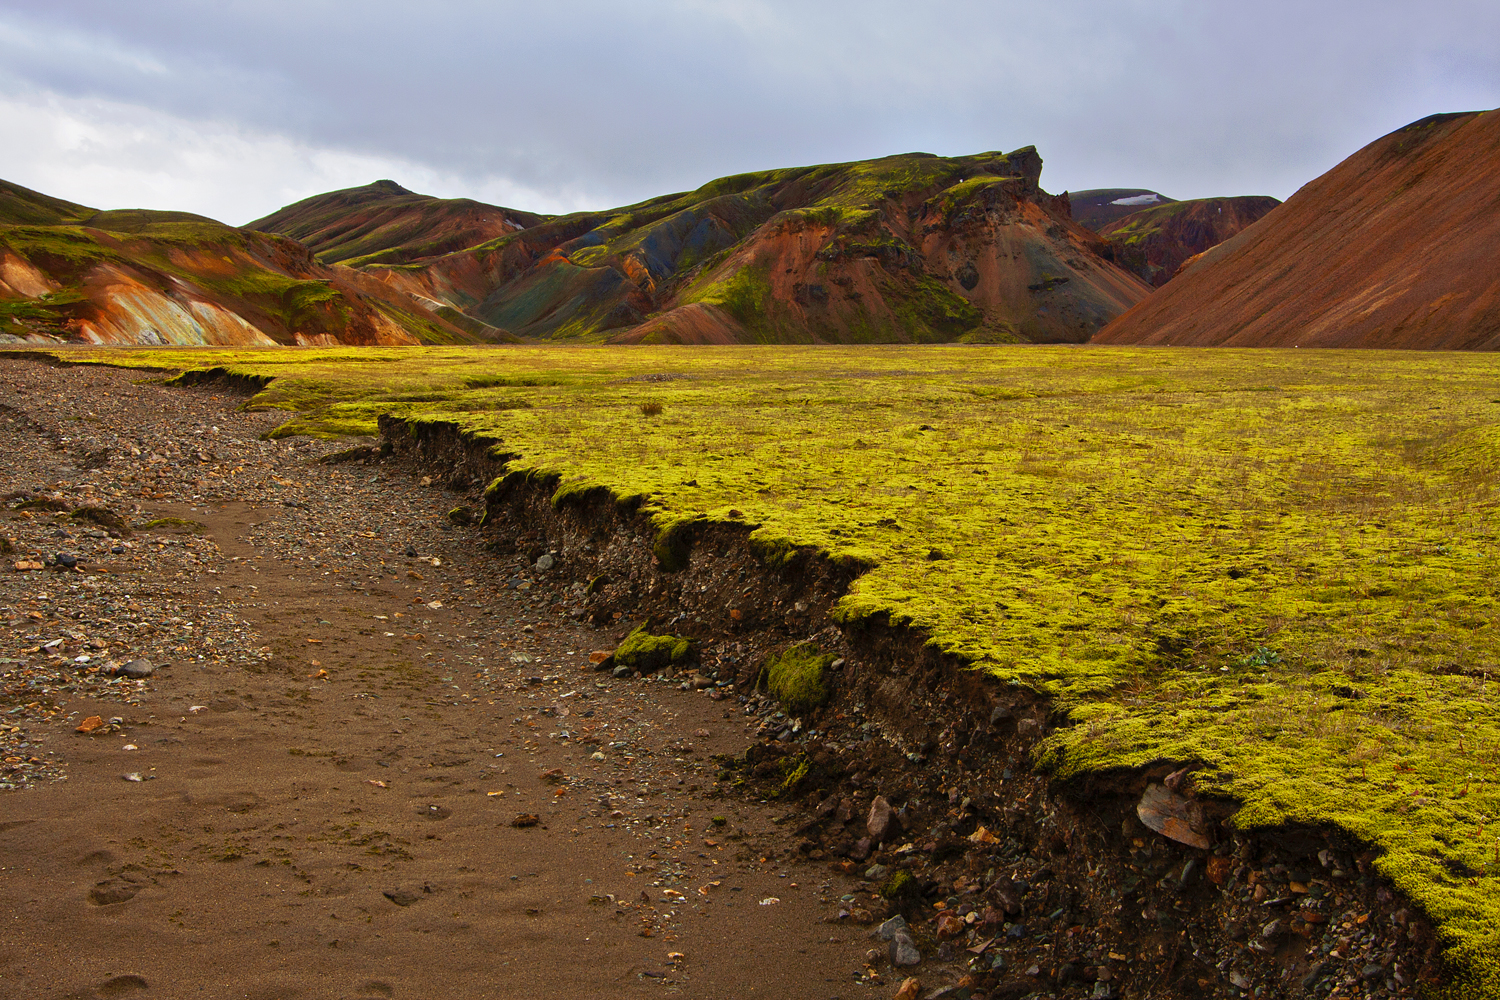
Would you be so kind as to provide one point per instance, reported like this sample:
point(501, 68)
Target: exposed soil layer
point(1018, 886)
point(1393, 248)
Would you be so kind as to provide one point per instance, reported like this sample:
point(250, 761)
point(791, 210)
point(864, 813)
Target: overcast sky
point(233, 108)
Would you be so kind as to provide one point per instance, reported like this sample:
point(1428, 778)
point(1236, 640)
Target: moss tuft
point(648, 653)
point(797, 677)
point(901, 888)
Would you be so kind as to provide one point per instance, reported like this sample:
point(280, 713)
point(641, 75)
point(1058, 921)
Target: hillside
point(1394, 247)
point(909, 248)
point(71, 273)
point(1098, 207)
point(1154, 242)
point(383, 223)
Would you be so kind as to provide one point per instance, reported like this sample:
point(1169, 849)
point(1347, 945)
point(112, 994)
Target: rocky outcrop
point(1155, 242)
point(1392, 248)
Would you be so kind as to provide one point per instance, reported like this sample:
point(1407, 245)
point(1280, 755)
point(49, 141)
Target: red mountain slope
point(1394, 247)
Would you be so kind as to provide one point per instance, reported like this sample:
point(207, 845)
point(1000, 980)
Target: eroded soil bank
point(1011, 885)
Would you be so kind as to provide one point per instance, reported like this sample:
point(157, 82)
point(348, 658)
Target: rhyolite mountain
point(1394, 247)
point(1154, 242)
point(383, 223)
point(71, 273)
point(909, 248)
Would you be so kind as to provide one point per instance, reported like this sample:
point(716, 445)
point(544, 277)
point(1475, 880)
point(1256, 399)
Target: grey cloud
point(626, 101)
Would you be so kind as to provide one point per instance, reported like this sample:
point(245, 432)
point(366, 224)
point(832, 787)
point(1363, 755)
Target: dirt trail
point(336, 755)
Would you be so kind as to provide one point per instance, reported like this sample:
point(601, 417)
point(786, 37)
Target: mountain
point(383, 223)
point(1154, 242)
point(1394, 247)
point(1098, 207)
point(71, 273)
point(909, 248)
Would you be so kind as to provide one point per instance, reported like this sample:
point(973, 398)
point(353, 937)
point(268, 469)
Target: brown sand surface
point(336, 753)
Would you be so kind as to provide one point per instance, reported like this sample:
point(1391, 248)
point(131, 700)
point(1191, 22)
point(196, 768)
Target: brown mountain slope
point(69, 273)
point(908, 248)
point(1155, 242)
point(383, 223)
point(1394, 247)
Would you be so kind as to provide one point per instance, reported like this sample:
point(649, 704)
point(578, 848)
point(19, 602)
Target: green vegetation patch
point(1278, 564)
point(649, 653)
point(797, 677)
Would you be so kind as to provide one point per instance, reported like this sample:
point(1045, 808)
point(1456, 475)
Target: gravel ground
point(369, 757)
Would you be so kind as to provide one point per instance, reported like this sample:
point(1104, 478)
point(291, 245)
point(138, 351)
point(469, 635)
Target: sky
point(234, 108)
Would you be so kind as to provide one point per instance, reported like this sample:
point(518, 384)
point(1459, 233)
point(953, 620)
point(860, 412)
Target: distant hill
point(24, 207)
point(1394, 247)
point(1098, 207)
point(383, 223)
point(909, 248)
point(71, 273)
point(1155, 242)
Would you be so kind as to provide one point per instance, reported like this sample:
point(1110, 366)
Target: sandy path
point(317, 818)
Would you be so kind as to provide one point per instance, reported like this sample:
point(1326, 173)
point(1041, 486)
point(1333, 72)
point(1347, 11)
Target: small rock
point(525, 819)
point(882, 820)
point(1308, 981)
point(892, 927)
point(621, 671)
point(1173, 816)
point(136, 669)
point(411, 552)
point(877, 873)
point(903, 951)
point(402, 897)
point(545, 562)
point(950, 925)
point(909, 990)
point(66, 560)
point(91, 725)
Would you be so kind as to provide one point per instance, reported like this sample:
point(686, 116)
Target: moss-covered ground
point(1279, 565)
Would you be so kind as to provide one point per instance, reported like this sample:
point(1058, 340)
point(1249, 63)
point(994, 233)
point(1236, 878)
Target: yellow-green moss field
point(1281, 564)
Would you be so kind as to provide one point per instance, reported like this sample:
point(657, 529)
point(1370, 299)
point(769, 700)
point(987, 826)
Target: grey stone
point(892, 927)
point(136, 669)
point(622, 671)
point(903, 951)
point(545, 562)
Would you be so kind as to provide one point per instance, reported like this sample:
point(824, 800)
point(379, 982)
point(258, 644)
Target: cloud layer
point(236, 108)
